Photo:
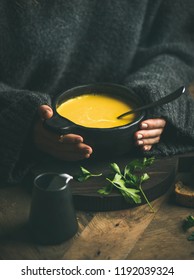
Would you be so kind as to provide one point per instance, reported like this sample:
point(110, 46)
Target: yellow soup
point(96, 110)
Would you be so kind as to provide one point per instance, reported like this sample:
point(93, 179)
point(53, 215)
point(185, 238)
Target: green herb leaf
point(84, 171)
point(118, 178)
point(191, 237)
point(132, 166)
point(132, 179)
point(138, 165)
point(127, 170)
point(128, 193)
point(82, 178)
point(106, 190)
point(144, 177)
point(188, 222)
point(134, 194)
point(148, 161)
point(115, 168)
point(85, 175)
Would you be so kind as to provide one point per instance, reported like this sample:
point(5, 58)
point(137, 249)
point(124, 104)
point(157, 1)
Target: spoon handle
point(166, 99)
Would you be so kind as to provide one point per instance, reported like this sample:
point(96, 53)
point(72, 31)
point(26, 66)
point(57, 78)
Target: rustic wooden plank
point(112, 235)
point(165, 238)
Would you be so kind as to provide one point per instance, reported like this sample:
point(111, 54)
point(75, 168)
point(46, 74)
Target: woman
point(49, 46)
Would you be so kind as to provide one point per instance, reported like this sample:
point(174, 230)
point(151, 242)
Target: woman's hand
point(68, 147)
point(149, 133)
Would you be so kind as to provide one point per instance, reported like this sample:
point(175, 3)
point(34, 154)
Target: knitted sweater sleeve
point(163, 63)
point(18, 109)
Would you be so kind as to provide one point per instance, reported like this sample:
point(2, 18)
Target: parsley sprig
point(85, 175)
point(188, 223)
point(128, 182)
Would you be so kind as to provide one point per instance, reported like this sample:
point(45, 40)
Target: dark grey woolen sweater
point(48, 46)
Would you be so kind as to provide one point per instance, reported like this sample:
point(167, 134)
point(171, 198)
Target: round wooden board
point(86, 197)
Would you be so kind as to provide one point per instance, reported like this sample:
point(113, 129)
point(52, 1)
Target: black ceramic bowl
point(104, 141)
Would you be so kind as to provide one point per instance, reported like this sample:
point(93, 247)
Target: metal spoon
point(161, 101)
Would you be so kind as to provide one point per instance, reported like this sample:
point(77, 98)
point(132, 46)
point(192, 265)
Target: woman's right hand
point(68, 147)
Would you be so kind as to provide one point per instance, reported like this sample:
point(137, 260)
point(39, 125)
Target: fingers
point(153, 124)
point(68, 152)
point(146, 134)
point(73, 143)
point(67, 147)
point(45, 112)
point(70, 139)
point(150, 133)
point(72, 151)
point(146, 147)
point(148, 141)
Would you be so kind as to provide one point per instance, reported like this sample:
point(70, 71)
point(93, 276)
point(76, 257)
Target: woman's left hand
point(149, 133)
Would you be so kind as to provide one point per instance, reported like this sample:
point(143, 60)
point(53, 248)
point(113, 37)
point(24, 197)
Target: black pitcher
point(52, 217)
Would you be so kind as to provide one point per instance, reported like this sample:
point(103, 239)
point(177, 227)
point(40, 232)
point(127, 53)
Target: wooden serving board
point(86, 197)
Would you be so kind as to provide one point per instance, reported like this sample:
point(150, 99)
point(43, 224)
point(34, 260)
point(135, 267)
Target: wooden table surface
point(134, 233)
